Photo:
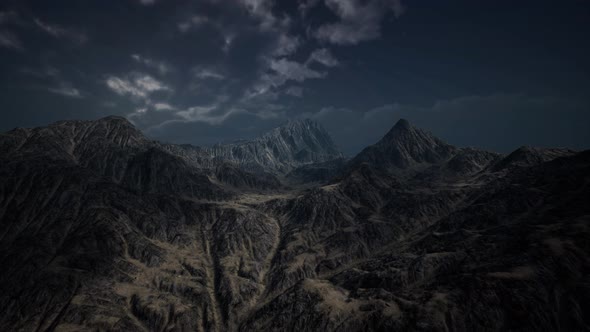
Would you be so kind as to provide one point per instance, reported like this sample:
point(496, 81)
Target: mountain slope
point(111, 149)
point(513, 256)
point(405, 146)
point(300, 150)
point(375, 251)
point(101, 229)
point(529, 156)
point(282, 149)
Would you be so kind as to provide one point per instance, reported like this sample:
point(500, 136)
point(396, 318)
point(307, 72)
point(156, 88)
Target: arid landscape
point(300, 165)
point(103, 229)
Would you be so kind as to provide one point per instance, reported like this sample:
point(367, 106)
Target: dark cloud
point(324, 57)
point(202, 71)
point(295, 91)
point(286, 45)
point(10, 40)
point(135, 85)
point(162, 67)
point(10, 17)
point(66, 91)
point(57, 31)
point(358, 20)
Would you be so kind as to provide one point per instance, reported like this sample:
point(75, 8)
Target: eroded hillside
point(103, 229)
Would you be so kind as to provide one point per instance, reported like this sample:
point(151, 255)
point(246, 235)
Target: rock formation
point(104, 229)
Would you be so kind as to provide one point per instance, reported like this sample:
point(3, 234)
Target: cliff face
point(297, 143)
point(102, 229)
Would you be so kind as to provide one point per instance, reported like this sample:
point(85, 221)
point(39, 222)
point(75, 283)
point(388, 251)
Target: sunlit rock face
point(104, 229)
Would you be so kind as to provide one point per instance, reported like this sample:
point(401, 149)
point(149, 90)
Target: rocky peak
point(404, 146)
point(402, 124)
point(115, 118)
point(403, 133)
point(76, 141)
point(299, 123)
point(296, 143)
point(304, 135)
point(526, 156)
point(112, 129)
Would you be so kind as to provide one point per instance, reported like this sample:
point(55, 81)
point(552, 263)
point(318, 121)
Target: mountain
point(114, 147)
point(403, 147)
point(109, 149)
point(295, 144)
point(407, 151)
point(103, 229)
point(526, 156)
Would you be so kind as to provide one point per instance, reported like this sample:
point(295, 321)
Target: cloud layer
point(218, 70)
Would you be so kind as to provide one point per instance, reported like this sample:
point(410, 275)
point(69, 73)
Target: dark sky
point(491, 74)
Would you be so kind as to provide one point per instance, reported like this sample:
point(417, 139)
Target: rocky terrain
point(102, 229)
point(296, 144)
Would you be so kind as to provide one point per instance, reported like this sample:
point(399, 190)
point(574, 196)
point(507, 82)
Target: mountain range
point(103, 229)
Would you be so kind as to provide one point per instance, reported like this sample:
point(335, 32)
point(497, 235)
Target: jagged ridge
point(294, 144)
point(109, 231)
